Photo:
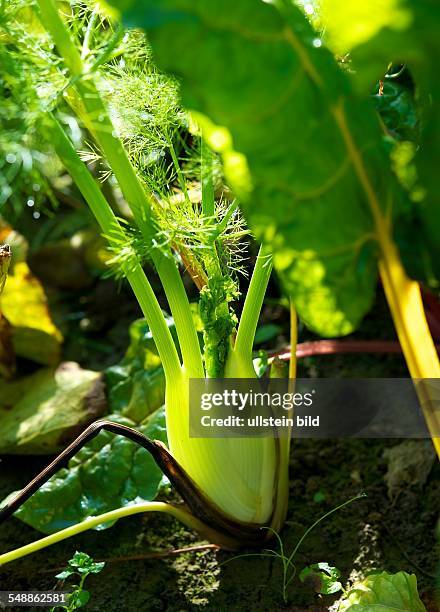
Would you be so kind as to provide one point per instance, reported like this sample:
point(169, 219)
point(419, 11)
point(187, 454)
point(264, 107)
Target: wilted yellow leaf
point(7, 353)
point(5, 259)
point(42, 413)
point(24, 304)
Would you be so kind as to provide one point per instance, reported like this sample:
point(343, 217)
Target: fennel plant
point(331, 275)
point(229, 506)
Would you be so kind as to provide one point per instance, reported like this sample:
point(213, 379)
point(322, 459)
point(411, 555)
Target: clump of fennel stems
point(250, 497)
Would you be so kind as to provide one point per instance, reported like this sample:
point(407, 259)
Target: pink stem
point(330, 347)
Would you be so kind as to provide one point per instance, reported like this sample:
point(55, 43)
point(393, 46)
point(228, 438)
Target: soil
point(370, 533)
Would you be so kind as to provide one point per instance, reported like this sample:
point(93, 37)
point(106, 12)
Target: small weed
point(80, 565)
point(328, 574)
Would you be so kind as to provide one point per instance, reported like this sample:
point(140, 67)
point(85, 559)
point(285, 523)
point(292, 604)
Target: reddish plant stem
point(172, 552)
point(331, 347)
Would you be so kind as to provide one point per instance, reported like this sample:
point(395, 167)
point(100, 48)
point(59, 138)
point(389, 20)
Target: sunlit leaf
point(349, 24)
point(323, 577)
point(42, 413)
point(136, 386)
point(384, 592)
point(24, 304)
point(279, 109)
point(402, 32)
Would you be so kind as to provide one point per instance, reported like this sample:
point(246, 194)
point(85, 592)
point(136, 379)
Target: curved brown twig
point(199, 505)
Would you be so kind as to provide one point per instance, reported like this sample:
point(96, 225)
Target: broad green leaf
point(24, 304)
point(267, 332)
point(384, 593)
point(405, 32)
point(42, 413)
point(349, 24)
point(109, 472)
point(136, 386)
point(79, 598)
point(65, 574)
point(303, 152)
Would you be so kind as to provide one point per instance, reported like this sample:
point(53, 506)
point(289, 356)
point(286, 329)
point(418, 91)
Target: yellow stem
point(179, 513)
point(403, 294)
point(405, 302)
point(293, 341)
point(284, 441)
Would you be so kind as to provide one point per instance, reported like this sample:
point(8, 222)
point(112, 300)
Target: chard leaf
point(40, 414)
point(402, 32)
point(300, 148)
point(267, 332)
point(136, 386)
point(109, 472)
point(351, 24)
point(384, 592)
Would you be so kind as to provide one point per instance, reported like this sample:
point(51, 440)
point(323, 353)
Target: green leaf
point(97, 567)
point(84, 564)
point(78, 599)
point(325, 578)
point(384, 592)
point(319, 497)
point(397, 107)
point(42, 413)
point(260, 363)
point(109, 472)
point(267, 332)
point(405, 32)
point(136, 386)
point(64, 574)
point(273, 102)
point(350, 24)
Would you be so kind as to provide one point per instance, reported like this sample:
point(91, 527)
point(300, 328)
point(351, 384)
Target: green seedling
point(81, 565)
